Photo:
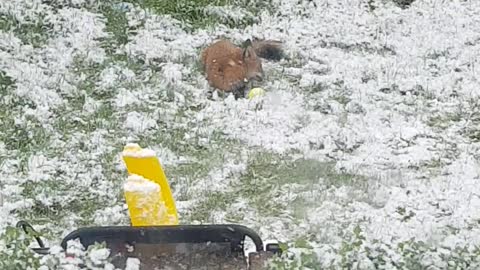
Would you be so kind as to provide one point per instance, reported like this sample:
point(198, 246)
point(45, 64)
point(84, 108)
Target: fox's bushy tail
point(268, 49)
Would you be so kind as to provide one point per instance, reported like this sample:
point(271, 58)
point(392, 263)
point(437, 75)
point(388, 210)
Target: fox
point(233, 69)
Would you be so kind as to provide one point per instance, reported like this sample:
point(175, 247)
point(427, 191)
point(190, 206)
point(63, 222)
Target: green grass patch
point(15, 252)
point(102, 118)
point(7, 83)
point(281, 169)
point(71, 199)
point(473, 129)
point(35, 33)
point(188, 11)
point(116, 25)
point(267, 173)
point(444, 121)
point(91, 73)
point(196, 14)
point(213, 201)
point(263, 184)
point(26, 136)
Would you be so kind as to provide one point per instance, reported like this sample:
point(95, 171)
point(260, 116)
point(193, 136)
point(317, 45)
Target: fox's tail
point(268, 49)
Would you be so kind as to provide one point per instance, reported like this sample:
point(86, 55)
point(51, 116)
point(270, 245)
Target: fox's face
point(253, 65)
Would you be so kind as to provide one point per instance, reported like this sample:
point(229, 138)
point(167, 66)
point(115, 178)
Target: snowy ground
point(365, 153)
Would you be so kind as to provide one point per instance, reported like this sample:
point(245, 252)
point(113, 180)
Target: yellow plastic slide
point(147, 193)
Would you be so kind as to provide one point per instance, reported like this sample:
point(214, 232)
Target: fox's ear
point(247, 43)
point(249, 52)
point(246, 54)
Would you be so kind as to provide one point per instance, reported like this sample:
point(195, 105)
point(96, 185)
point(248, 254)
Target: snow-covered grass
point(364, 153)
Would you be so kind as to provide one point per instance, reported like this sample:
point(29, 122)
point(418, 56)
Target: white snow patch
point(99, 256)
point(136, 183)
point(134, 150)
point(140, 122)
point(126, 97)
point(109, 215)
point(132, 264)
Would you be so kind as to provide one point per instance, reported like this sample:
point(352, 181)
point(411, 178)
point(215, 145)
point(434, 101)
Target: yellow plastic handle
point(144, 162)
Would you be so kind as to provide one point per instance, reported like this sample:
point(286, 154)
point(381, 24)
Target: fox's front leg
point(239, 89)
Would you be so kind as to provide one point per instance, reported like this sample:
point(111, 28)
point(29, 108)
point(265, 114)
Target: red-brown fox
point(230, 68)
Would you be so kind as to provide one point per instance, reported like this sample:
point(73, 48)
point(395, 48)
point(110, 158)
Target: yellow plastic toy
point(145, 202)
point(256, 92)
point(144, 163)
